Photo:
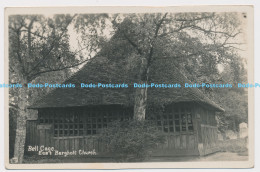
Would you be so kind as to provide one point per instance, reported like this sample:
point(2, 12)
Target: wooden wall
point(42, 135)
point(38, 135)
point(177, 143)
point(180, 143)
point(206, 127)
point(31, 135)
point(201, 141)
point(209, 139)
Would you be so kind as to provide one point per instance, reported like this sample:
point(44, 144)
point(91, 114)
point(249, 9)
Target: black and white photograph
point(131, 86)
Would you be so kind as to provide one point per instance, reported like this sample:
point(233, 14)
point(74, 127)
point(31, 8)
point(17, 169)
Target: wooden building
point(70, 118)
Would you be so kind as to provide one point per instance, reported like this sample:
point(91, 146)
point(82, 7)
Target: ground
point(219, 156)
point(231, 150)
point(225, 156)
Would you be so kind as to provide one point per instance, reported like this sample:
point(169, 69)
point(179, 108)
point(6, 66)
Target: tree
point(233, 100)
point(190, 39)
point(37, 46)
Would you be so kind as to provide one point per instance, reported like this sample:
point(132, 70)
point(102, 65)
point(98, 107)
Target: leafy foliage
point(197, 44)
point(132, 140)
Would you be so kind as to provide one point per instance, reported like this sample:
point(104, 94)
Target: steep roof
point(104, 70)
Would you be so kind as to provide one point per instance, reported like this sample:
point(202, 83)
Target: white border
point(46, 3)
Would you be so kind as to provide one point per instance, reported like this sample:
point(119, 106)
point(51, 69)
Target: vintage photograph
point(140, 85)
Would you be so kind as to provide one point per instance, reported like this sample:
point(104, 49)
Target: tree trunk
point(141, 93)
point(21, 125)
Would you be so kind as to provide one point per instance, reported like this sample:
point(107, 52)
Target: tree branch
point(158, 26)
point(45, 56)
point(55, 70)
point(195, 19)
point(35, 33)
point(29, 40)
point(127, 38)
point(195, 27)
point(211, 31)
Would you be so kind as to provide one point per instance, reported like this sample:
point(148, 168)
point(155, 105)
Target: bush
point(236, 146)
point(132, 140)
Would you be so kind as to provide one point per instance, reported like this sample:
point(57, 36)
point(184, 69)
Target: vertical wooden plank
point(66, 145)
point(213, 137)
point(32, 133)
point(81, 144)
point(52, 139)
point(197, 122)
point(76, 144)
point(37, 133)
point(29, 133)
point(72, 144)
point(91, 144)
point(102, 145)
point(38, 139)
point(46, 138)
point(202, 133)
point(189, 137)
point(183, 141)
point(170, 142)
point(28, 140)
point(166, 144)
point(187, 141)
point(205, 136)
point(178, 142)
point(173, 142)
point(191, 142)
point(96, 144)
point(56, 144)
point(86, 142)
point(61, 144)
point(42, 137)
point(70, 141)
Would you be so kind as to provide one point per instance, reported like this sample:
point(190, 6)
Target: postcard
point(129, 87)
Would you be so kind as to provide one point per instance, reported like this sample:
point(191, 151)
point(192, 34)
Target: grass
point(238, 146)
point(60, 159)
